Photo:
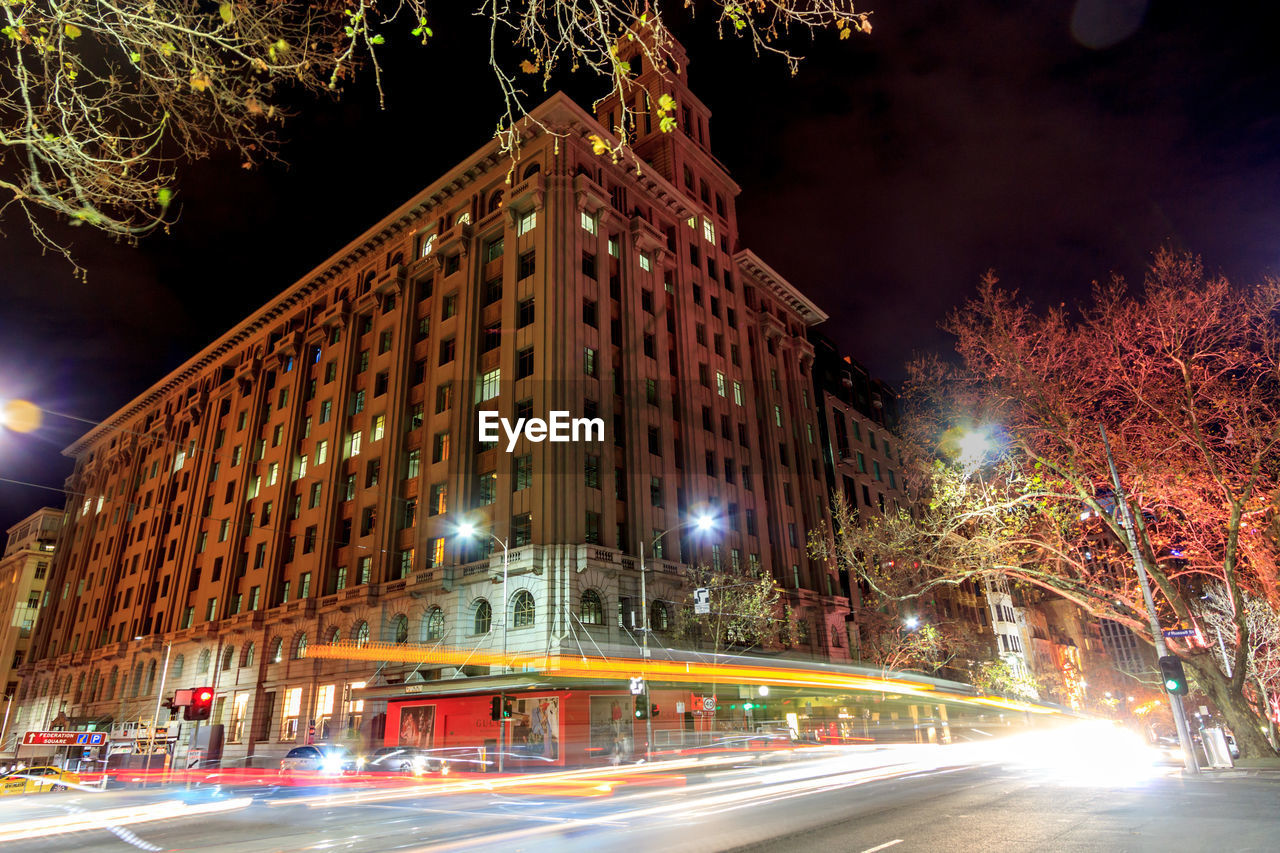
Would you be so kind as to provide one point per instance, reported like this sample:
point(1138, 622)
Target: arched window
point(135, 688)
point(531, 170)
point(179, 663)
point(592, 608)
point(659, 616)
point(434, 625)
point(400, 629)
point(94, 683)
point(247, 658)
point(228, 655)
point(111, 683)
point(484, 617)
point(362, 635)
point(151, 677)
point(300, 650)
point(277, 650)
point(79, 687)
point(335, 634)
point(495, 201)
point(524, 609)
point(202, 664)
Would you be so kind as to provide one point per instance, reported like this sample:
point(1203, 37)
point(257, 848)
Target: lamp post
point(468, 530)
point(155, 719)
point(703, 523)
point(1190, 762)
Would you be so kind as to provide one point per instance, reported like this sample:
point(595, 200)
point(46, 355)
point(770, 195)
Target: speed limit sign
point(708, 703)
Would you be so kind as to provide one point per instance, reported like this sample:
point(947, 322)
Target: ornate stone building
point(303, 476)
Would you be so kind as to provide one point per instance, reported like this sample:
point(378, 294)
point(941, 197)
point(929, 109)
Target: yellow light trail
point(576, 666)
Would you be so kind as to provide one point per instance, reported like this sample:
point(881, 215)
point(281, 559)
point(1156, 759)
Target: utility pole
point(1190, 761)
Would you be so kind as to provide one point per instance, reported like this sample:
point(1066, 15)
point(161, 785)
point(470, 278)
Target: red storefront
point(546, 728)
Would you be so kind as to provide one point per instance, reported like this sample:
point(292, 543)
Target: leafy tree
point(1185, 376)
point(99, 100)
point(747, 612)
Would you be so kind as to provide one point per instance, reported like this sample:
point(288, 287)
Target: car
point(401, 759)
point(318, 758)
point(37, 780)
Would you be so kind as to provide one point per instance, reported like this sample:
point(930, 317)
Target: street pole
point(1140, 565)
point(502, 719)
point(644, 655)
point(4, 730)
point(155, 720)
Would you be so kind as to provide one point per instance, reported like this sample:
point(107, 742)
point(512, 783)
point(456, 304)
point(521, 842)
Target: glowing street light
point(704, 522)
point(20, 416)
point(468, 530)
point(974, 445)
point(912, 622)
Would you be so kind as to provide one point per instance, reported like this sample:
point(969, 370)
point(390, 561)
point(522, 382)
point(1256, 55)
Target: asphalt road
point(870, 800)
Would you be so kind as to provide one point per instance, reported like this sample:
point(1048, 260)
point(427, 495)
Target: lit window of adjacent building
point(528, 221)
point(588, 222)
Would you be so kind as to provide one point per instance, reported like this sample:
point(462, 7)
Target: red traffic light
point(201, 707)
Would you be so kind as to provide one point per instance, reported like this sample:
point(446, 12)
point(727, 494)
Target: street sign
point(702, 600)
point(637, 686)
point(1179, 632)
point(708, 703)
point(64, 738)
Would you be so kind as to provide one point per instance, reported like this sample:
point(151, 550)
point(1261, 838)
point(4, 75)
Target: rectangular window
point(439, 504)
point(527, 265)
point(592, 532)
point(487, 488)
point(487, 386)
point(522, 474)
point(440, 447)
point(524, 363)
point(588, 361)
point(528, 221)
point(413, 463)
point(379, 427)
point(322, 451)
point(588, 222)
point(493, 250)
point(524, 314)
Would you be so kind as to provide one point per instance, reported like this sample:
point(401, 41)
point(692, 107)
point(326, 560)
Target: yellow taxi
point(37, 780)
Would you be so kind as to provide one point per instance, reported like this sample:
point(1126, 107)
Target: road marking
point(883, 846)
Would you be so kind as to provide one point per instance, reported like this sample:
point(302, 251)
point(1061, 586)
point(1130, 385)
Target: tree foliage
point(100, 100)
point(1183, 373)
point(747, 612)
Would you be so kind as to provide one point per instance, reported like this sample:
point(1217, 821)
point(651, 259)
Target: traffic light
point(495, 708)
point(1175, 680)
point(201, 707)
point(642, 708)
point(506, 709)
point(653, 710)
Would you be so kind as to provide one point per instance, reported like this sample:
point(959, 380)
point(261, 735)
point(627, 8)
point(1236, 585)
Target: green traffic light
point(1171, 685)
point(747, 706)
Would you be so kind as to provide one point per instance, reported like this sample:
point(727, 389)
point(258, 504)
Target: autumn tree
point(1217, 618)
point(1183, 373)
point(99, 101)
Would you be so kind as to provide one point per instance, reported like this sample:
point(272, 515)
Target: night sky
point(1055, 142)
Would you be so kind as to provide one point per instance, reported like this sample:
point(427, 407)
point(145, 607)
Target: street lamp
point(703, 522)
point(469, 531)
point(155, 720)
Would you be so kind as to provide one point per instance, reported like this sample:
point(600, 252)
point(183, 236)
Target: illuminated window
point(524, 609)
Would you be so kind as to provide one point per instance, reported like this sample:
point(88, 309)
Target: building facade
point(303, 478)
point(24, 571)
